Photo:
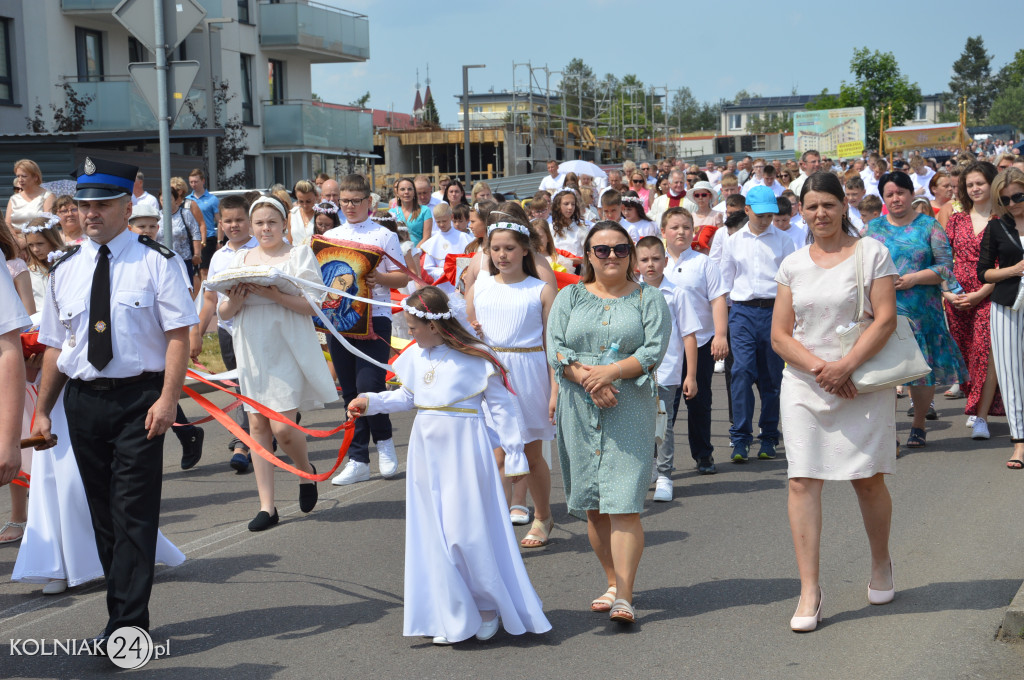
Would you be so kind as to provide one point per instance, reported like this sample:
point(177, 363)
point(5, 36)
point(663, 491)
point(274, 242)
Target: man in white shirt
point(810, 162)
point(767, 180)
point(140, 195)
point(921, 175)
point(750, 261)
point(423, 195)
point(553, 181)
point(754, 178)
point(713, 173)
point(443, 182)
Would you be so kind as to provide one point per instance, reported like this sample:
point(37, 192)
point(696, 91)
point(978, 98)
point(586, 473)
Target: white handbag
point(900, 361)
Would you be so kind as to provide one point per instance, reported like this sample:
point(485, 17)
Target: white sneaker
point(663, 492)
point(720, 366)
point(980, 429)
point(970, 420)
point(388, 462)
point(354, 472)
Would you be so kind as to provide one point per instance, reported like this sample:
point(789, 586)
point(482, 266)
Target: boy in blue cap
point(750, 261)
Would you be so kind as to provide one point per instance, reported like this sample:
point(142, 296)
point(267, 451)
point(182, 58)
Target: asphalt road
point(320, 595)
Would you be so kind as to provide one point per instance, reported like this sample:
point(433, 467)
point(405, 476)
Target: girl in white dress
point(463, 570)
point(568, 226)
point(44, 244)
point(509, 309)
point(276, 349)
point(637, 223)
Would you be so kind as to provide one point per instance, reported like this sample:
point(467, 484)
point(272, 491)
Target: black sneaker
point(263, 520)
point(192, 450)
point(706, 466)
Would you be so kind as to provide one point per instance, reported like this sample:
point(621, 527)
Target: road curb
point(1013, 620)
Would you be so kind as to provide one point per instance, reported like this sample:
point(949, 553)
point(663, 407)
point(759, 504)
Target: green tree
point(430, 116)
point(1008, 108)
point(972, 78)
point(877, 82)
point(1011, 74)
point(743, 94)
point(361, 102)
point(688, 114)
point(770, 124)
point(577, 90)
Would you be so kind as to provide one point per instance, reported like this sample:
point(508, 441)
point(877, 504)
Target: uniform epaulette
point(158, 247)
point(67, 253)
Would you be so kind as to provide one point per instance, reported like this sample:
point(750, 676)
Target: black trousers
point(356, 375)
point(698, 409)
point(122, 474)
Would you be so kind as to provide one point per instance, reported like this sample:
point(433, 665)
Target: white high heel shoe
point(882, 596)
point(805, 624)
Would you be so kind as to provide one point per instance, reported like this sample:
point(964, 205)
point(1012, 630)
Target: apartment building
point(258, 52)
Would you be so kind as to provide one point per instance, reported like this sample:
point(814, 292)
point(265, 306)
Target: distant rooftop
point(503, 96)
point(773, 102)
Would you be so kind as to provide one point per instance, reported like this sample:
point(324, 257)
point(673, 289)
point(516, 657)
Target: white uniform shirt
point(146, 199)
point(13, 316)
point(750, 263)
point(855, 218)
point(684, 322)
point(797, 232)
point(371, 233)
point(552, 184)
point(220, 261)
point(798, 184)
point(148, 298)
point(701, 280)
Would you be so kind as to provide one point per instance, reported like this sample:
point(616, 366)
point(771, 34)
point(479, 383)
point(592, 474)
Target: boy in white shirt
point(442, 241)
point(234, 222)
point(651, 260)
point(355, 374)
point(702, 283)
point(854, 195)
point(783, 221)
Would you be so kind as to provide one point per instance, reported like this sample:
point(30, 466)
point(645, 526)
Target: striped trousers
point(1008, 354)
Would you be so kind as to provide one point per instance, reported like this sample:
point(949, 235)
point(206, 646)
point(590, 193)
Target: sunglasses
point(621, 250)
point(702, 195)
point(1016, 198)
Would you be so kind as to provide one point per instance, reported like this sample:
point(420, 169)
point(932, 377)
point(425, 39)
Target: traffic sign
point(180, 76)
point(180, 17)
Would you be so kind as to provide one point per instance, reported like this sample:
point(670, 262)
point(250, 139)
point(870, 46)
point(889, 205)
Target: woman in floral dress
point(968, 313)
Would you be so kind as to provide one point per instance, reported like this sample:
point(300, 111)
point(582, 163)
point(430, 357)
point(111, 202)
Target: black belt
point(762, 303)
point(108, 384)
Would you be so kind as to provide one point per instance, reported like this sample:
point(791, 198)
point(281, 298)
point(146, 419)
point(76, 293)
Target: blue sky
point(763, 47)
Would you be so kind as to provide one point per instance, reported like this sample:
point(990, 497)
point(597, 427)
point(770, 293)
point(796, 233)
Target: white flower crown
point(636, 200)
point(511, 226)
point(55, 255)
point(426, 315)
point(565, 190)
point(51, 222)
point(326, 208)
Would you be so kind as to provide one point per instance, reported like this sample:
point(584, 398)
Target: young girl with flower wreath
point(325, 217)
point(463, 570)
point(44, 244)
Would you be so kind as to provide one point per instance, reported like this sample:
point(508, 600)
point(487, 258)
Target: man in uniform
point(116, 328)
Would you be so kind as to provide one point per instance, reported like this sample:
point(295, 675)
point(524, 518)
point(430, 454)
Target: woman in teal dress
point(605, 414)
point(924, 260)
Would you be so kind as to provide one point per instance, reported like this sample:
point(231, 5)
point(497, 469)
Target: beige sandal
point(12, 525)
point(622, 611)
point(604, 603)
point(544, 527)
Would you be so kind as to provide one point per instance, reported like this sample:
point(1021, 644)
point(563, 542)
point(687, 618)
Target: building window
point(246, 87)
point(735, 121)
point(250, 170)
point(275, 73)
point(89, 49)
point(243, 13)
point(281, 171)
point(921, 112)
point(136, 52)
point(478, 109)
point(6, 79)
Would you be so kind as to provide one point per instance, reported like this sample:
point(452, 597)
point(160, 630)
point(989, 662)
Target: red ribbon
point(564, 279)
point(224, 419)
point(22, 479)
point(567, 254)
point(451, 268)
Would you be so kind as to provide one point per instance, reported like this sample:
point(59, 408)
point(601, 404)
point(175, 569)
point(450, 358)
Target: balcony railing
point(116, 104)
point(318, 32)
point(315, 125)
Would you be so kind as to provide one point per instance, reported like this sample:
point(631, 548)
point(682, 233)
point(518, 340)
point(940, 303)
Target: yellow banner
point(897, 139)
point(850, 149)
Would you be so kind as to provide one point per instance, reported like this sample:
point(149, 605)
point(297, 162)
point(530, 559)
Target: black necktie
point(101, 347)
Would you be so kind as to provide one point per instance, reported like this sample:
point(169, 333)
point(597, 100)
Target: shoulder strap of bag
point(859, 254)
point(1009, 235)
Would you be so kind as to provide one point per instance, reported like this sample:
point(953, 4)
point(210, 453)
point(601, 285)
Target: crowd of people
point(568, 326)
